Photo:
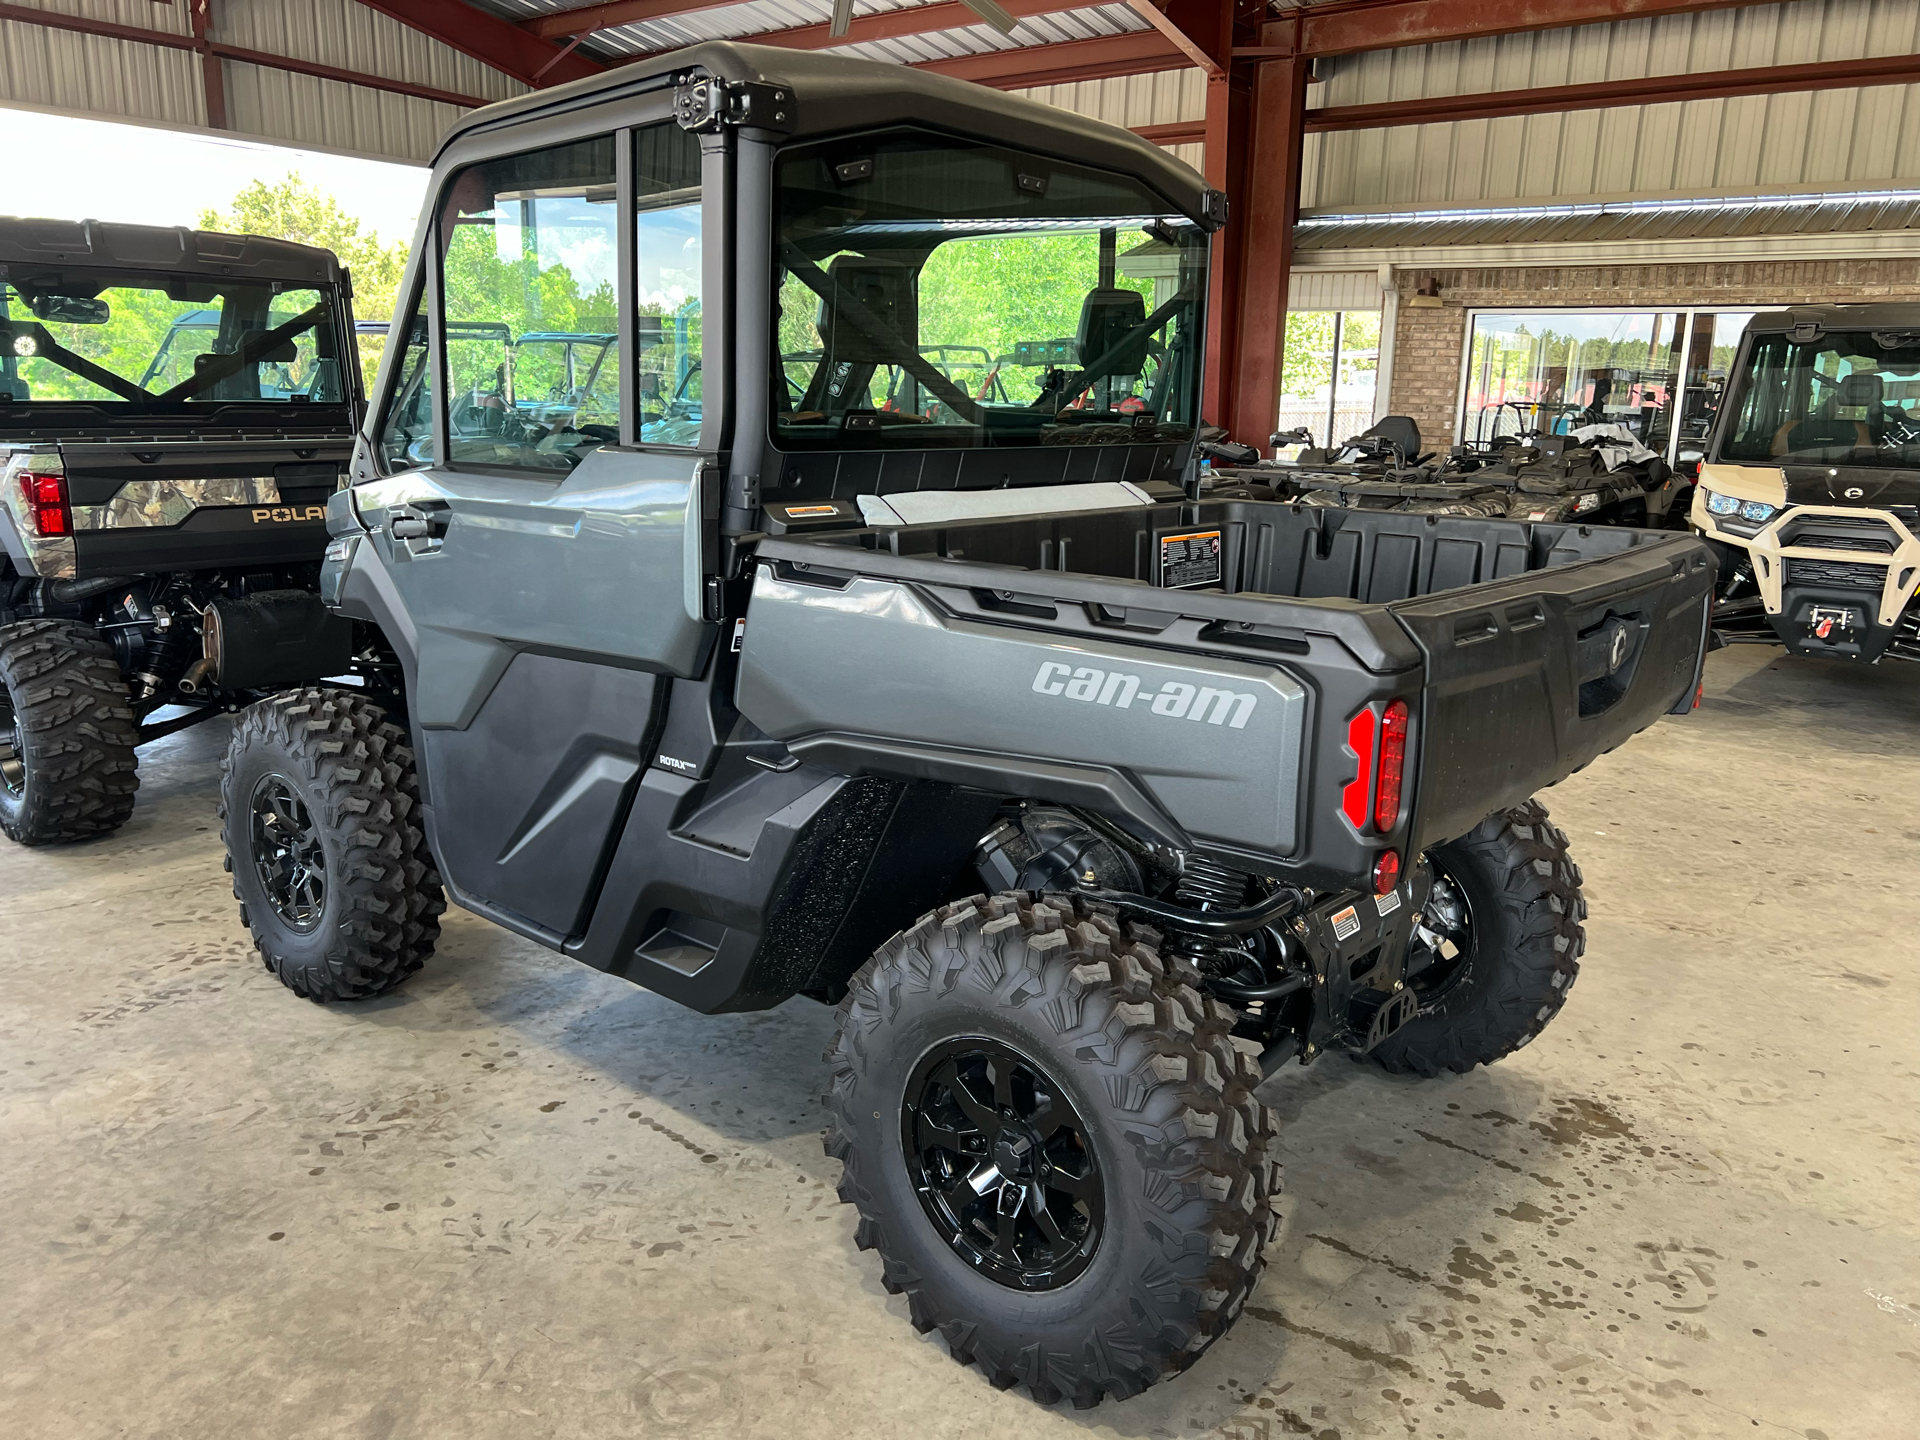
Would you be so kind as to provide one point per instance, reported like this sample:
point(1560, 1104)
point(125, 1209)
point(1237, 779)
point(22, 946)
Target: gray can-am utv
point(175, 409)
point(941, 702)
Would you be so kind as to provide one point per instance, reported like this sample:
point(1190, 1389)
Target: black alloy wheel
point(1002, 1163)
point(288, 854)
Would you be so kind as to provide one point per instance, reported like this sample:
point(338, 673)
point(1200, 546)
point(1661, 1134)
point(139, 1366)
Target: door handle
point(416, 530)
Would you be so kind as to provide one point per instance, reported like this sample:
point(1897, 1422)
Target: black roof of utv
point(835, 94)
point(163, 249)
point(1837, 317)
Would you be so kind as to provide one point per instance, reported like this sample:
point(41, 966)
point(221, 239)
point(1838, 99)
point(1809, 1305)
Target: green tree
point(291, 209)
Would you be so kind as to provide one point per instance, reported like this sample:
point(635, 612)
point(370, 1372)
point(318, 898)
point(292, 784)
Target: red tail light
point(46, 494)
point(1393, 765)
point(1353, 796)
point(1386, 873)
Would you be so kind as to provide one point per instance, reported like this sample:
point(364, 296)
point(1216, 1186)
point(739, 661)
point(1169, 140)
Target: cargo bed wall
point(945, 652)
point(1267, 548)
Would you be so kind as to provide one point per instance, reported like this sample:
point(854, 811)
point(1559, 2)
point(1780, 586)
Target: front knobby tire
point(320, 811)
point(67, 734)
point(1523, 941)
point(1148, 1108)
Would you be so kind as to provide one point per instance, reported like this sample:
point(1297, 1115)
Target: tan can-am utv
point(1811, 486)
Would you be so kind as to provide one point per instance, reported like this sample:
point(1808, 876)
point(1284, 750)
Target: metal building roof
point(757, 17)
point(1693, 219)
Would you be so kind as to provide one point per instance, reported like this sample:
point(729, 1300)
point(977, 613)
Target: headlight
point(1754, 510)
point(1586, 502)
point(1721, 504)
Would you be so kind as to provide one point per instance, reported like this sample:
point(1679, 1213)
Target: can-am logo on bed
point(1175, 698)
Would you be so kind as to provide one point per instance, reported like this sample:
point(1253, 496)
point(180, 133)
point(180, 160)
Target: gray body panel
point(1210, 748)
point(591, 565)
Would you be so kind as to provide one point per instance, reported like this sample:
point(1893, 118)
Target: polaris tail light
point(1393, 766)
point(46, 496)
point(1386, 872)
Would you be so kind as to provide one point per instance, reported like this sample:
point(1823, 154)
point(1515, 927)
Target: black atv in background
point(1597, 478)
point(175, 409)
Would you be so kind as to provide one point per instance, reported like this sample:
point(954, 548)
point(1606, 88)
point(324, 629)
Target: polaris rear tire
point(1183, 1156)
point(1523, 899)
point(320, 812)
point(67, 734)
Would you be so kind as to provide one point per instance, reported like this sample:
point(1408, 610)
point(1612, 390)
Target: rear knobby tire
point(1523, 897)
point(67, 734)
point(376, 913)
point(1188, 1158)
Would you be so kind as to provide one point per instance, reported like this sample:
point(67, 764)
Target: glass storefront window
point(1715, 336)
point(1658, 373)
point(1331, 364)
point(1546, 374)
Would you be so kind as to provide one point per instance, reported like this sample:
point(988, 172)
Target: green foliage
point(291, 209)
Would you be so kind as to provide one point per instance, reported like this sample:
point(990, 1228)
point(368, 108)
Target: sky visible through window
point(62, 168)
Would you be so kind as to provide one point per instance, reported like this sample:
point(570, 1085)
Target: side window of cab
point(529, 315)
point(406, 429)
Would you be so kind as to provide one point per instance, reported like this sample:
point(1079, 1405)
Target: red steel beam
point(1267, 209)
point(1030, 66)
point(1174, 132)
point(494, 42)
point(1639, 90)
point(1346, 28)
point(213, 77)
point(166, 40)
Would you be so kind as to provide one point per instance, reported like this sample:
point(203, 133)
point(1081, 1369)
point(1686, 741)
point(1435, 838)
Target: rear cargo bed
point(954, 652)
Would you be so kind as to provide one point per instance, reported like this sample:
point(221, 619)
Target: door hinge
point(704, 106)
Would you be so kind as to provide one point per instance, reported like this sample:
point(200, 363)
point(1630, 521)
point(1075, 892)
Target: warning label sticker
point(796, 511)
point(1388, 903)
point(1190, 559)
point(1346, 923)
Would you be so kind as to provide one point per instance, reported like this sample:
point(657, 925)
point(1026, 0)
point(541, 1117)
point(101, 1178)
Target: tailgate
point(1529, 679)
point(192, 505)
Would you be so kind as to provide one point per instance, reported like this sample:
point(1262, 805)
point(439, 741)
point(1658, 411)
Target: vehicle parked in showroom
point(1080, 797)
point(1595, 475)
point(1811, 487)
point(175, 408)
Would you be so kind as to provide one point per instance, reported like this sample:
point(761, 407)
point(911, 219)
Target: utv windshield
point(1851, 399)
point(934, 293)
point(152, 343)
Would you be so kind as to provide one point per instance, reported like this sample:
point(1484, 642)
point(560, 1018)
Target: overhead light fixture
point(1426, 295)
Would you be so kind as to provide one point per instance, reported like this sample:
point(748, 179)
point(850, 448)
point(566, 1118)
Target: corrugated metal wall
point(1132, 100)
point(123, 78)
point(1819, 139)
point(70, 71)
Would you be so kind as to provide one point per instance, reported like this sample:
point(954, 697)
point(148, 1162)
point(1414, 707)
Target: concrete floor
point(521, 1198)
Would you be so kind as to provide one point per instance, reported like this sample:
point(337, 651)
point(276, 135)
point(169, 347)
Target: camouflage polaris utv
point(1810, 490)
point(175, 409)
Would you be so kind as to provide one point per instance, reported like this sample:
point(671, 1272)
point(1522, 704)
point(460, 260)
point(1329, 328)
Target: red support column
point(213, 75)
point(1228, 132)
point(1268, 206)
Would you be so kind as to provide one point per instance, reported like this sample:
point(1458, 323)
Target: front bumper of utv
point(1834, 581)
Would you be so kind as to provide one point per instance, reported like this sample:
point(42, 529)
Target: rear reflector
point(1386, 873)
point(1353, 798)
point(46, 495)
point(1393, 764)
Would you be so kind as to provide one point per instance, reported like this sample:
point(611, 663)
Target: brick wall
point(1429, 344)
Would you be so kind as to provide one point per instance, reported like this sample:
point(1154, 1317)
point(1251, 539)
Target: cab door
point(548, 563)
